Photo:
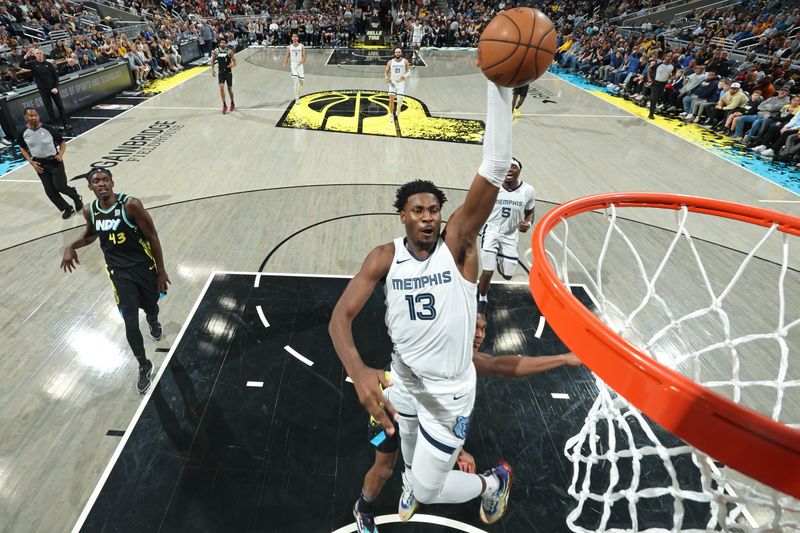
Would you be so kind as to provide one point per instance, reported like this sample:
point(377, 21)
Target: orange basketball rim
point(738, 436)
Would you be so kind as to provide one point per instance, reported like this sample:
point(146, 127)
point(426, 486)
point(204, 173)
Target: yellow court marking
point(159, 86)
point(367, 113)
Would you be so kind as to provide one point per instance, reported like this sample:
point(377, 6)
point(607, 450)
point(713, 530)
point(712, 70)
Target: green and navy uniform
point(224, 60)
point(130, 266)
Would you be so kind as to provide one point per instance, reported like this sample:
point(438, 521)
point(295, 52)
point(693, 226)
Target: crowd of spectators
point(748, 94)
point(703, 83)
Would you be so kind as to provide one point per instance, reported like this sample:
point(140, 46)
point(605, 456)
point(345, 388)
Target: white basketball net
point(618, 450)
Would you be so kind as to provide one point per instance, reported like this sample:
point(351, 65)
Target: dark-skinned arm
point(515, 366)
point(367, 381)
point(70, 260)
point(467, 220)
point(137, 213)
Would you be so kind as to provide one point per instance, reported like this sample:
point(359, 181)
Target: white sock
point(497, 136)
point(483, 297)
point(492, 483)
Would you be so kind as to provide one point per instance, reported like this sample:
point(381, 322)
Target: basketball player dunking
point(397, 70)
point(296, 54)
point(134, 261)
point(224, 58)
point(503, 366)
point(430, 281)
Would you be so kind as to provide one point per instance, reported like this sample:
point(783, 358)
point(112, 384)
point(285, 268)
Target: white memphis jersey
point(296, 53)
point(416, 33)
point(509, 208)
point(430, 313)
point(398, 69)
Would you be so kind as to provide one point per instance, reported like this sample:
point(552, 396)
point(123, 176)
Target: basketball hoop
point(762, 446)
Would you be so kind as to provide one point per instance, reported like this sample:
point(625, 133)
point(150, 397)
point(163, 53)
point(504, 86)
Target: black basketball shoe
point(156, 333)
point(145, 373)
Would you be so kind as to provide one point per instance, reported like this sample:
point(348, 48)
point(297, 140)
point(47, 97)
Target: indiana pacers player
point(296, 54)
point(134, 261)
point(397, 70)
point(224, 58)
point(430, 281)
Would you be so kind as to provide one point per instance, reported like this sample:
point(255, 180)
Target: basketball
point(517, 46)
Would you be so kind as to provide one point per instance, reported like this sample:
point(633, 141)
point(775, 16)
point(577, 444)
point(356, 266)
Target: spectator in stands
point(137, 66)
point(768, 110)
point(740, 121)
point(45, 76)
point(769, 128)
point(71, 65)
point(732, 100)
point(172, 54)
point(772, 138)
point(699, 95)
point(207, 38)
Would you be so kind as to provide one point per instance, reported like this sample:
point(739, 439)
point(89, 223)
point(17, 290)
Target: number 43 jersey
point(509, 208)
point(122, 242)
point(430, 313)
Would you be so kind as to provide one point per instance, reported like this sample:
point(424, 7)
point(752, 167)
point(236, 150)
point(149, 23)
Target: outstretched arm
point(139, 214)
point(515, 366)
point(286, 59)
point(467, 220)
point(367, 380)
point(233, 59)
point(214, 63)
point(70, 260)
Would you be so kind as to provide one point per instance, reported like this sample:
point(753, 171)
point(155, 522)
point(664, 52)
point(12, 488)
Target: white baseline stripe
point(540, 327)
point(292, 351)
point(20, 181)
point(261, 316)
point(142, 404)
point(455, 525)
point(93, 118)
point(780, 201)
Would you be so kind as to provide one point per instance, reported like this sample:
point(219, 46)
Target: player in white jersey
point(296, 53)
point(386, 448)
point(512, 214)
point(430, 281)
point(397, 70)
point(416, 39)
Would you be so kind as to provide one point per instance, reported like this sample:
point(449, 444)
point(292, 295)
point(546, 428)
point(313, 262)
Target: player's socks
point(408, 503)
point(233, 105)
point(365, 519)
point(224, 108)
point(494, 501)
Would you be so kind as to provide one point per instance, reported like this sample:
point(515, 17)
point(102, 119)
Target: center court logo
point(367, 113)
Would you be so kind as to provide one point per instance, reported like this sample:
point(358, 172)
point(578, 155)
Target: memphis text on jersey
point(421, 282)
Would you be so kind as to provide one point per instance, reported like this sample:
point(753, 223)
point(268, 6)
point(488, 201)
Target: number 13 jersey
point(430, 313)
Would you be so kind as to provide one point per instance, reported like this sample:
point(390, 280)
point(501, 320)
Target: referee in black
point(663, 73)
point(45, 75)
point(43, 147)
